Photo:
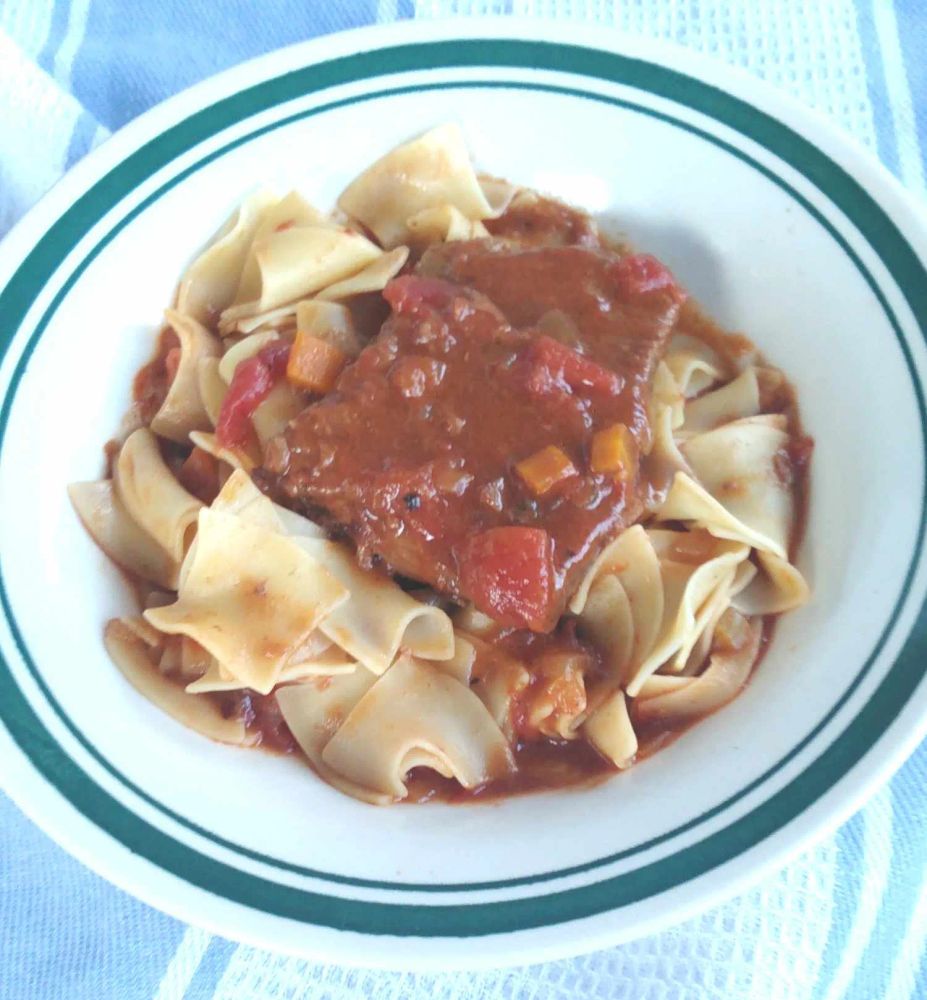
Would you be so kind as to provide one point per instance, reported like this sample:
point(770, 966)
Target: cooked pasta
point(445, 493)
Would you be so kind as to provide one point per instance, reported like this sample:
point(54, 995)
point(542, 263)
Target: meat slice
point(456, 449)
point(618, 310)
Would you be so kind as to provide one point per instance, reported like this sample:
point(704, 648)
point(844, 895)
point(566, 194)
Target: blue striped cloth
point(849, 918)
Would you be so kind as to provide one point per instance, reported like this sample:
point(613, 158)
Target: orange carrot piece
point(545, 468)
point(614, 451)
point(314, 364)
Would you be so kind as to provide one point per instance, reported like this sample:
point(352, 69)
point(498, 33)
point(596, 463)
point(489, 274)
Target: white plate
point(782, 227)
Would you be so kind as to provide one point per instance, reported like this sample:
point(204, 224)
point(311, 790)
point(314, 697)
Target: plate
point(778, 224)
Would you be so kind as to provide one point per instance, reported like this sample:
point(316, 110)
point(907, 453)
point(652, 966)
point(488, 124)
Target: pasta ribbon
point(610, 731)
point(294, 263)
point(151, 494)
point(183, 409)
point(313, 712)
point(210, 283)
point(417, 716)
point(249, 596)
point(426, 173)
point(136, 657)
point(372, 278)
point(112, 527)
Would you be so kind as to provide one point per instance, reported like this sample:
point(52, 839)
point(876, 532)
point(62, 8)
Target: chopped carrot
point(544, 469)
point(614, 451)
point(314, 364)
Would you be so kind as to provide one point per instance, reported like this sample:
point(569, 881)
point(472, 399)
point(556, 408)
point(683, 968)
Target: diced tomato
point(639, 274)
point(554, 367)
point(410, 293)
point(508, 573)
point(250, 386)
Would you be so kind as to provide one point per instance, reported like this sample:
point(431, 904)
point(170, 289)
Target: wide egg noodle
point(428, 172)
point(610, 731)
point(119, 536)
point(236, 458)
point(249, 596)
point(183, 409)
point(633, 563)
point(135, 658)
point(608, 621)
point(693, 364)
point(316, 656)
point(297, 262)
point(210, 283)
point(296, 524)
point(212, 389)
point(725, 598)
point(497, 679)
point(735, 491)
point(666, 410)
point(706, 616)
point(372, 278)
point(687, 586)
point(246, 348)
point(658, 605)
point(417, 716)
point(239, 496)
point(460, 665)
point(151, 494)
point(278, 320)
point(289, 212)
point(380, 617)
point(735, 400)
point(499, 193)
point(731, 487)
point(273, 414)
point(726, 674)
point(330, 663)
point(657, 684)
point(314, 710)
point(443, 224)
point(780, 587)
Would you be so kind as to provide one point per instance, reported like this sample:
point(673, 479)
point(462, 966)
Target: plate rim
point(189, 99)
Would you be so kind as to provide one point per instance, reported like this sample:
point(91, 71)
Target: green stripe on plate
point(484, 918)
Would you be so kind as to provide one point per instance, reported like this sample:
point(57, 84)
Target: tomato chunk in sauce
point(420, 452)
